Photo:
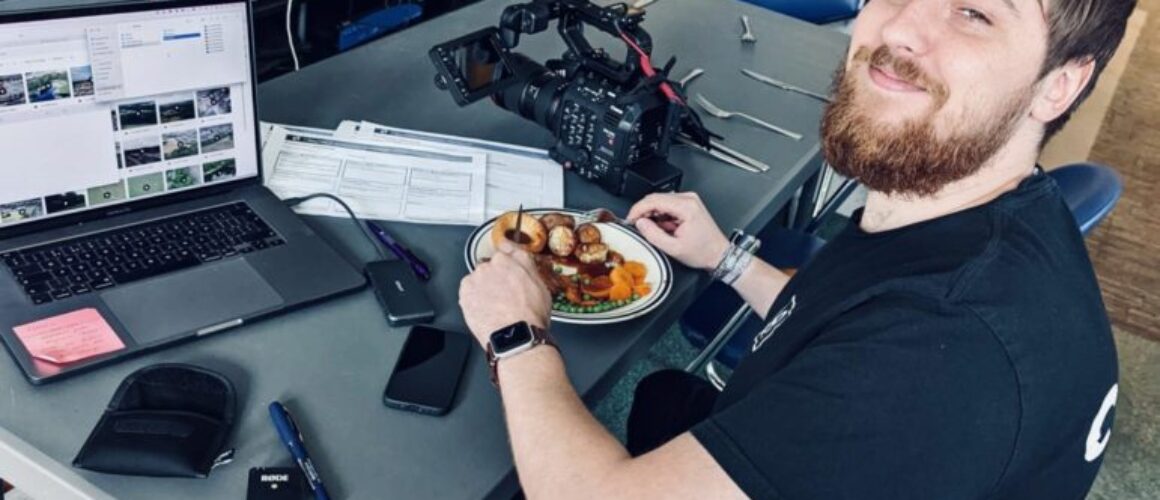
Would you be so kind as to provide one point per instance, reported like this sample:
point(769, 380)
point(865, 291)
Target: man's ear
point(1060, 88)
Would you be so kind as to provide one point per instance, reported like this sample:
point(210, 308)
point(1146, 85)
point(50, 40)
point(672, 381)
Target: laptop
point(132, 210)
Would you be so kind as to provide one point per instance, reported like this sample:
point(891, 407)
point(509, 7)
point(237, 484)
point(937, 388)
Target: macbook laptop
point(132, 210)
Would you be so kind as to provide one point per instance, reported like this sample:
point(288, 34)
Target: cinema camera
point(613, 121)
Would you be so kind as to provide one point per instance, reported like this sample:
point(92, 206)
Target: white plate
point(621, 240)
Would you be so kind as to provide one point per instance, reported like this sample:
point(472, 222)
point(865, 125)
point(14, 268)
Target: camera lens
point(536, 97)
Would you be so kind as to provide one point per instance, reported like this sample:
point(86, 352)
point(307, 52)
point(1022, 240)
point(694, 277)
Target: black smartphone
point(427, 373)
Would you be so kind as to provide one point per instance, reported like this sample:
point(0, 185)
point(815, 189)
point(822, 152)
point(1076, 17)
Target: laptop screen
point(106, 109)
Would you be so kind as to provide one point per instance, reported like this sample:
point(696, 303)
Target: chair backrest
point(1090, 190)
point(814, 11)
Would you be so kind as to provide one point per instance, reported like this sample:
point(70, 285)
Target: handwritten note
point(70, 337)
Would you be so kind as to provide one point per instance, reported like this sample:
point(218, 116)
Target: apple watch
point(512, 340)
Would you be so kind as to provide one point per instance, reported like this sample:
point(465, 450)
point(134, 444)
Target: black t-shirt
point(968, 356)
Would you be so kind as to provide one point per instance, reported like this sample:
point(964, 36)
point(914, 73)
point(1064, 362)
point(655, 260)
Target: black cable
point(290, 202)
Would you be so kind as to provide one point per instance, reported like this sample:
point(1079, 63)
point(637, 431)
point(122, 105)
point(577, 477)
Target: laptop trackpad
point(191, 300)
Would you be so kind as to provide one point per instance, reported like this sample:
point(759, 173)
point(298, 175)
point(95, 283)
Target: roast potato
point(561, 241)
point(588, 233)
point(553, 220)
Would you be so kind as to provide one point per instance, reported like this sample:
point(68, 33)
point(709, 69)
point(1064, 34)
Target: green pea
point(587, 297)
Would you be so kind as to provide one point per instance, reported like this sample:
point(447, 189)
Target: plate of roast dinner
point(597, 272)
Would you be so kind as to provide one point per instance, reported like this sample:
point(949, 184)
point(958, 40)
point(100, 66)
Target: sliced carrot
point(598, 287)
point(620, 276)
point(620, 291)
point(636, 269)
point(641, 290)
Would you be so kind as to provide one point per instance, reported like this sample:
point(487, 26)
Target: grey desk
point(329, 362)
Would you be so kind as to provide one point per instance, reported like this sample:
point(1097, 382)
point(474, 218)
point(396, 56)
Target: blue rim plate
point(621, 240)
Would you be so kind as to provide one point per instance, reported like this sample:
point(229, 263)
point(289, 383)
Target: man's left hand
point(505, 290)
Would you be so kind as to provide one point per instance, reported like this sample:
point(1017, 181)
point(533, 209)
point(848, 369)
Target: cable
point(647, 68)
point(290, 202)
point(290, 34)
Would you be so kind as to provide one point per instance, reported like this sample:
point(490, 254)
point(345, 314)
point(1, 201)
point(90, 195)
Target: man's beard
point(910, 159)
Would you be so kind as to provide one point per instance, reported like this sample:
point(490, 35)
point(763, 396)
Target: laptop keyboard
point(95, 262)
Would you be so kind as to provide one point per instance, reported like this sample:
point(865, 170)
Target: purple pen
point(418, 266)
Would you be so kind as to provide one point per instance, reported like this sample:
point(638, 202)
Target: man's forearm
point(560, 449)
point(760, 285)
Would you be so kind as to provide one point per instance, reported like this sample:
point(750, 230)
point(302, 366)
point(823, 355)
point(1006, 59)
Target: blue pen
point(292, 438)
point(418, 266)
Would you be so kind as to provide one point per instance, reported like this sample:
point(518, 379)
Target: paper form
point(516, 175)
point(398, 182)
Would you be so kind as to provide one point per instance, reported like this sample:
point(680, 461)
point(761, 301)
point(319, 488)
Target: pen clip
point(290, 420)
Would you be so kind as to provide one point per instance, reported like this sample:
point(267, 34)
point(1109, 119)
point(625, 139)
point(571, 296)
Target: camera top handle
point(535, 16)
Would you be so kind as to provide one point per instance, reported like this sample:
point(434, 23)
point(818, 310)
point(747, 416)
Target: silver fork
point(725, 115)
point(606, 215)
point(747, 36)
point(694, 73)
point(603, 215)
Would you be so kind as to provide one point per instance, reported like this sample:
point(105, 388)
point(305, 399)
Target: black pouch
point(166, 420)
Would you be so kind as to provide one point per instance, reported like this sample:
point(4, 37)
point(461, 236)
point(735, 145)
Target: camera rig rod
point(616, 20)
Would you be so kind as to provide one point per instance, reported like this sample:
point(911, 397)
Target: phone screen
point(427, 373)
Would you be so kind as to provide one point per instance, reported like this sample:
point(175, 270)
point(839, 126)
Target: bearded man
point(951, 342)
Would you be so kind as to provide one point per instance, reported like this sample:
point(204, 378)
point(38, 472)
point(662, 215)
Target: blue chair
point(814, 11)
point(1090, 190)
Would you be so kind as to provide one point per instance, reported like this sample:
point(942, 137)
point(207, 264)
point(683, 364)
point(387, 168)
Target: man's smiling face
point(932, 89)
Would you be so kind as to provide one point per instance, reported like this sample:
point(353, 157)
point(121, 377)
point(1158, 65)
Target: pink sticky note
point(69, 337)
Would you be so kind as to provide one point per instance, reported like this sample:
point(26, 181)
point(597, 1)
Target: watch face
point(510, 338)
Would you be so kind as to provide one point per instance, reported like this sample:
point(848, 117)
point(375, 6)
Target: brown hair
point(1082, 30)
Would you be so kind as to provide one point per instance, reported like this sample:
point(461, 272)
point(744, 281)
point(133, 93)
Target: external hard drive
point(402, 295)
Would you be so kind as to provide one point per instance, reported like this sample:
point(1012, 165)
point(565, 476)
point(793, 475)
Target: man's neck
point(1003, 173)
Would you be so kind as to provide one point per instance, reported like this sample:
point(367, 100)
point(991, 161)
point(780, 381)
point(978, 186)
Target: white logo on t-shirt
point(1097, 440)
point(778, 320)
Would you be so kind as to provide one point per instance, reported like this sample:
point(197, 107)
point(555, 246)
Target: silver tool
point(755, 163)
point(725, 115)
point(741, 161)
point(640, 4)
point(606, 216)
point(784, 86)
point(747, 36)
point(603, 215)
point(689, 77)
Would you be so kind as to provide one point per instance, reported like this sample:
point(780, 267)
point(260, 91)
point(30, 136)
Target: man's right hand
point(686, 231)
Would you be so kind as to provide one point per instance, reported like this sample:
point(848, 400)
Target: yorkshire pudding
point(532, 237)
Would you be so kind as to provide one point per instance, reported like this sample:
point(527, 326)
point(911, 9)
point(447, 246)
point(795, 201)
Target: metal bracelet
point(738, 268)
point(736, 258)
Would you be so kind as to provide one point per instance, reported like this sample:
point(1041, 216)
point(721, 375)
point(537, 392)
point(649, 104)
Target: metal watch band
point(737, 257)
point(540, 337)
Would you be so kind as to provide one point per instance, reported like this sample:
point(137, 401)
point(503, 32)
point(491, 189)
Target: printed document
point(516, 175)
point(398, 182)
